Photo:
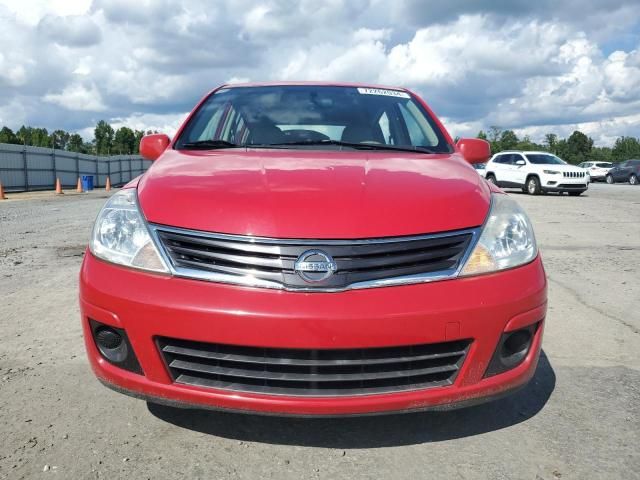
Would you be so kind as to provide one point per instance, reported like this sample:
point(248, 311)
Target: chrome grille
point(271, 262)
point(302, 372)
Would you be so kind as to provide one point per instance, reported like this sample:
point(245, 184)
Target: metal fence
point(36, 168)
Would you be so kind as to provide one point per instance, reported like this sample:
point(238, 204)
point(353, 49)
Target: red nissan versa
point(313, 249)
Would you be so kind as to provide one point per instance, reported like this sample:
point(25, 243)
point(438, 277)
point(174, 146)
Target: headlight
point(120, 235)
point(551, 172)
point(506, 240)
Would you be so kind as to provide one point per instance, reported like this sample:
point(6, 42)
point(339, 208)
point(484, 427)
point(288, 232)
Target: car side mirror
point(520, 162)
point(474, 150)
point(152, 146)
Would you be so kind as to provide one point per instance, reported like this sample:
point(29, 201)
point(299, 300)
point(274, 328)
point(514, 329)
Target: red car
point(313, 249)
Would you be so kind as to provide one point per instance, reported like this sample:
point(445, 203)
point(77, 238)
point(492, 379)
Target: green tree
point(625, 148)
point(578, 147)
point(7, 136)
point(551, 141)
point(103, 134)
point(75, 144)
point(508, 140)
point(562, 149)
point(527, 144)
point(493, 136)
point(124, 141)
point(40, 137)
point(601, 154)
point(481, 135)
point(60, 139)
point(138, 136)
point(24, 135)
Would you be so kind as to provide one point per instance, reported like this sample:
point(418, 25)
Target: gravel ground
point(578, 419)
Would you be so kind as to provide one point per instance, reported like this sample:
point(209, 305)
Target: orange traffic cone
point(79, 186)
point(107, 185)
point(2, 195)
point(58, 187)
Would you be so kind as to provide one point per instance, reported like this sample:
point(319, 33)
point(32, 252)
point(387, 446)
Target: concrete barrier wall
point(36, 168)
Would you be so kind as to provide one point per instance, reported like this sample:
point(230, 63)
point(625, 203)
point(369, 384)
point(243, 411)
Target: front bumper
point(553, 184)
point(148, 306)
point(570, 188)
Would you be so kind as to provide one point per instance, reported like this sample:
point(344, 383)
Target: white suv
point(536, 172)
point(597, 170)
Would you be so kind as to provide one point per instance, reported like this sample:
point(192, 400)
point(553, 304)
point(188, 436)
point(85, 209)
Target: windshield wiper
point(359, 146)
point(210, 144)
point(215, 144)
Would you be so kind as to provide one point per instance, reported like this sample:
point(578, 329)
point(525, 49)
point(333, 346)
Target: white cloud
point(168, 123)
point(71, 30)
point(78, 97)
point(13, 74)
point(524, 66)
point(31, 11)
point(622, 75)
point(604, 132)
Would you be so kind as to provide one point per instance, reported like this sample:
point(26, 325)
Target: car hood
point(313, 194)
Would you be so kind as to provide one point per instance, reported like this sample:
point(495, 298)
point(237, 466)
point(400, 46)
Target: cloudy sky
point(533, 66)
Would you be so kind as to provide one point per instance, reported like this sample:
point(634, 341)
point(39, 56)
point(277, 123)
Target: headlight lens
point(551, 172)
point(506, 241)
point(120, 235)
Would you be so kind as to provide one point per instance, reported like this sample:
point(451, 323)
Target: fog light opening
point(516, 345)
point(511, 351)
point(114, 346)
point(108, 338)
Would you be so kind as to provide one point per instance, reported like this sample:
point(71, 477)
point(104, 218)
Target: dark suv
point(627, 171)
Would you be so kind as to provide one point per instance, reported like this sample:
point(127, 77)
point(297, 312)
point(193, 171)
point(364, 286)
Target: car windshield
point(544, 159)
point(305, 116)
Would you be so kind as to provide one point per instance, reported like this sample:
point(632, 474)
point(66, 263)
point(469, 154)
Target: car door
point(512, 172)
point(501, 167)
point(619, 172)
point(519, 172)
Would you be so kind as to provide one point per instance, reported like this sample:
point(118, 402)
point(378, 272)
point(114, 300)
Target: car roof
point(312, 83)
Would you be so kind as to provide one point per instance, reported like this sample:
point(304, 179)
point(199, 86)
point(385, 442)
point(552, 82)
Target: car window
point(604, 164)
point(383, 123)
point(634, 162)
point(544, 159)
point(419, 132)
point(281, 114)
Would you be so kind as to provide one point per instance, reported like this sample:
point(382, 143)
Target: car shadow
point(370, 431)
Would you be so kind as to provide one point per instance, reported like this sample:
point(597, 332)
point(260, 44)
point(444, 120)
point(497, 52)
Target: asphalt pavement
point(578, 419)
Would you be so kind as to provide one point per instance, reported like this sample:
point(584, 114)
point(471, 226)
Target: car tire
point(533, 186)
point(633, 179)
point(609, 179)
point(575, 194)
point(492, 179)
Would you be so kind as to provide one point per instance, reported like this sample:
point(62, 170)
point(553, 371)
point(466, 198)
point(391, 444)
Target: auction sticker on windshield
point(381, 91)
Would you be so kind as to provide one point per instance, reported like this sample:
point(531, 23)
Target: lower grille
point(300, 372)
point(577, 186)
